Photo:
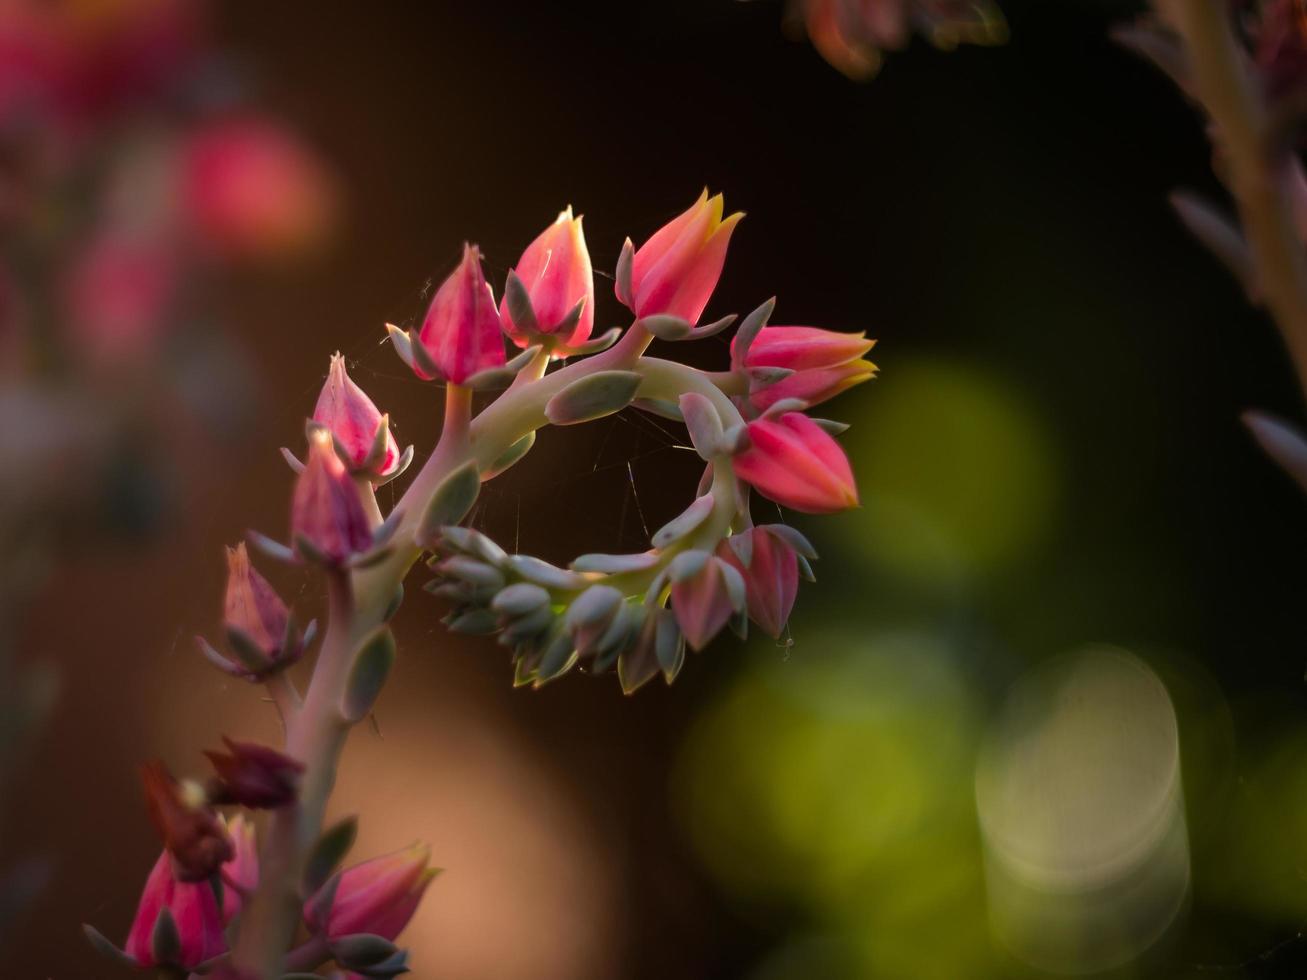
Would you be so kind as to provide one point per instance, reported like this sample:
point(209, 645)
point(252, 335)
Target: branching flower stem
point(358, 603)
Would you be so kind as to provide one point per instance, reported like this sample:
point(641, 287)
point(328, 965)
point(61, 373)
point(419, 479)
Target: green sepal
point(368, 674)
point(703, 423)
point(252, 656)
point(329, 852)
point(616, 564)
point(593, 397)
point(362, 950)
point(660, 407)
point(748, 332)
point(681, 525)
point(511, 455)
point(450, 503)
point(622, 285)
point(403, 345)
point(518, 300)
point(165, 940)
point(593, 346)
point(105, 948)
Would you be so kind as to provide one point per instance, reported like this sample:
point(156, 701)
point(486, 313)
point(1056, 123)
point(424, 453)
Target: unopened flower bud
point(358, 426)
point(559, 282)
point(252, 606)
point(461, 332)
point(253, 776)
point(702, 600)
point(196, 921)
point(771, 578)
point(240, 875)
point(327, 520)
point(675, 272)
point(190, 830)
point(824, 362)
point(796, 463)
point(377, 897)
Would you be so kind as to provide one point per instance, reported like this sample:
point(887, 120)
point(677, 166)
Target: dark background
point(999, 210)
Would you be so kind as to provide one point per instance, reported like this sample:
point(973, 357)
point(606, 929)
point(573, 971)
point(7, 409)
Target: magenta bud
point(240, 875)
point(377, 896)
point(253, 776)
point(327, 521)
point(702, 602)
point(196, 919)
point(675, 272)
point(252, 606)
point(358, 427)
point(771, 579)
point(191, 831)
point(461, 334)
point(796, 463)
point(559, 282)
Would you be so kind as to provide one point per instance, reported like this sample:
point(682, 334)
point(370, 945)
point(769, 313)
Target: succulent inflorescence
point(707, 568)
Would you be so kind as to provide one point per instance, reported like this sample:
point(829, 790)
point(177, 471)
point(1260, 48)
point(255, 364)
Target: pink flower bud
point(796, 463)
point(676, 271)
point(824, 362)
point(240, 875)
point(194, 910)
point(555, 269)
point(327, 520)
point(377, 896)
point(253, 776)
point(252, 606)
point(771, 578)
point(461, 333)
point(253, 190)
point(190, 829)
point(702, 604)
point(355, 421)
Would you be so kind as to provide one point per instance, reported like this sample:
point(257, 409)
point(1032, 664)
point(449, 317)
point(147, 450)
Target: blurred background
point(1044, 711)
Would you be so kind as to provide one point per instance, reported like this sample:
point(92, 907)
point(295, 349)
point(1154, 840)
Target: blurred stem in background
point(1254, 101)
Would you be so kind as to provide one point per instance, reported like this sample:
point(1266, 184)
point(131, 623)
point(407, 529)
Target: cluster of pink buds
point(852, 34)
point(707, 569)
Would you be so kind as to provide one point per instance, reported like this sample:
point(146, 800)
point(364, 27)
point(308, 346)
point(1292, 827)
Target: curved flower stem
point(317, 729)
point(1259, 165)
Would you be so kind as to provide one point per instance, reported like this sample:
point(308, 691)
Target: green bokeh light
point(959, 475)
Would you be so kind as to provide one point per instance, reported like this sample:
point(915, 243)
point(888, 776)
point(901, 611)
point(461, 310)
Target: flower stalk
point(632, 612)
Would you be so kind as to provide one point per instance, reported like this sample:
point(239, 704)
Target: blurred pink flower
point(194, 910)
point(377, 896)
point(252, 606)
point(852, 34)
point(327, 520)
point(251, 189)
point(240, 875)
point(119, 294)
